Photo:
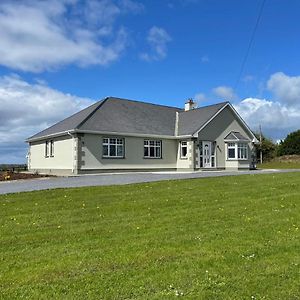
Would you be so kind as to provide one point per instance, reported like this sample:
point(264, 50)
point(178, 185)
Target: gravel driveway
point(112, 179)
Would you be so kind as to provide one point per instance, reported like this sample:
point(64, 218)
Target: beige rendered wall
point(217, 130)
point(63, 155)
point(90, 154)
point(188, 162)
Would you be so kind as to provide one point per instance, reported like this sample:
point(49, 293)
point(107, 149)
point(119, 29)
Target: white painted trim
point(171, 137)
point(67, 132)
point(254, 140)
point(176, 122)
point(236, 140)
point(195, 134)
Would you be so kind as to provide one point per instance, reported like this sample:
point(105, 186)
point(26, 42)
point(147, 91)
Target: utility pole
point(260, 141)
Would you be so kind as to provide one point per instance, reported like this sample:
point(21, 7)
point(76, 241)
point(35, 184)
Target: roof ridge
point(100, 102)
point(144, 102)
point(198, 108)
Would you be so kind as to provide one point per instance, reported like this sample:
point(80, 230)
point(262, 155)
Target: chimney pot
point(190, 104)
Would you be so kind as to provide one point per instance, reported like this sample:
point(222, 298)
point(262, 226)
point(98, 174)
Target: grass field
point(214, 238)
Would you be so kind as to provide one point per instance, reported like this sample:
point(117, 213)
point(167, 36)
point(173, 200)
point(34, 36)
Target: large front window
point(237, 151)
point(152, 149)
point(113, 148)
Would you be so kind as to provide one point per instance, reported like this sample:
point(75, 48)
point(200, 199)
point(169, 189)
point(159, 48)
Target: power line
point(250, 43)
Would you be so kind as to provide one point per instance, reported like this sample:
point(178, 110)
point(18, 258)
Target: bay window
point(237, 151)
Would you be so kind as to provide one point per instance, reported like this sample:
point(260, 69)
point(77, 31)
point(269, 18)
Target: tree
point(290, 145)
point(268, 148)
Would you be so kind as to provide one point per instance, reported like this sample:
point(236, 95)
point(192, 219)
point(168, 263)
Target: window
point(49, 148)
point(237, 151)
point(113, 148)
point(231, 150)
point(183, 149)
point(46, 149)
point(242, 151)
point(152, 149)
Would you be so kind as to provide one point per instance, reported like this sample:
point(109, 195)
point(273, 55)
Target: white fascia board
point(254, 139)
point(237, 141)
point(195, 134)
point(49, 136)
point(172, 137)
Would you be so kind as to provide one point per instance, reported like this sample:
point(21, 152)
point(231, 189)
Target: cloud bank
point(45, 35)
point(28, 108)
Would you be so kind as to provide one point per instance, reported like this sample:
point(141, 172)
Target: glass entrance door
point(206, 146)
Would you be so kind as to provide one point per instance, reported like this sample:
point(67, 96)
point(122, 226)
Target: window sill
point(184, 158)
point(152, 157)
point(236, 159)
point(113, 157)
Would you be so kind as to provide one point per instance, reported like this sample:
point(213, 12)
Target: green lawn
point(280, 165)
point(214, 238)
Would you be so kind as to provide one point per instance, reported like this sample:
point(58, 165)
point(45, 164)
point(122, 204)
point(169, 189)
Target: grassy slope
point(218, 238)
point(279, 165)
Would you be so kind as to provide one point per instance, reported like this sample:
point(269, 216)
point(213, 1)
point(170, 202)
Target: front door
point(206, 154)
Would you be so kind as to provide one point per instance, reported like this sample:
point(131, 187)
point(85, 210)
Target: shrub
point(291, 144)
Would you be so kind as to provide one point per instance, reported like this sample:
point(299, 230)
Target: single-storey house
point(125, 135)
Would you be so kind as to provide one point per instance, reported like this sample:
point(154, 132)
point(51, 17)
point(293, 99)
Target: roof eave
point(47, 136)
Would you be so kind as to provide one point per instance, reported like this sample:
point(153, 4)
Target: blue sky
point(57, 57)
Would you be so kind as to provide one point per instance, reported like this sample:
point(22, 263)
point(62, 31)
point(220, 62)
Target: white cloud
point(200, 97)
point(225, 92)
point(28, 108)
point(158, 39)
point(276, 119)
point(286, 89)
point(44, 35)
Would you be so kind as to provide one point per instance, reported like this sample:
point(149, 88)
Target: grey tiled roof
point(235, 135)
point(69, 123)
point(128, 116)
point(192, 120)
point(134, 117)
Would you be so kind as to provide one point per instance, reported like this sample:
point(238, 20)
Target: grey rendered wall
point(217, 130)
point(62, 160)
point(90, 155)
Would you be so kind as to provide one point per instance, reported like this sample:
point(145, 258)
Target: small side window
point(46, 149)
point(183, 149)
point(51, 148)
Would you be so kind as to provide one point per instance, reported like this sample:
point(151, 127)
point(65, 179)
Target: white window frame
point(183, 144)
point(111, 142)
point(51, 148)
point(47, 149)
point(156, 145)
point(240, 150)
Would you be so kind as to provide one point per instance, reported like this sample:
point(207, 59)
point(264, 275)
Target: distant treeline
point(13, 167)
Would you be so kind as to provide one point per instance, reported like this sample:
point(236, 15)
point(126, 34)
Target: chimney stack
point(190, 104)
